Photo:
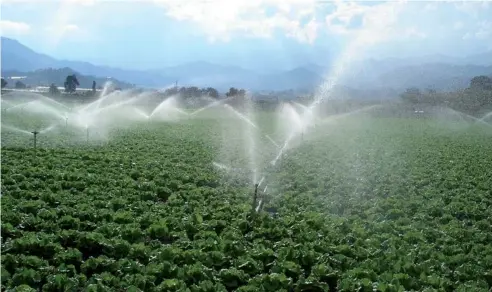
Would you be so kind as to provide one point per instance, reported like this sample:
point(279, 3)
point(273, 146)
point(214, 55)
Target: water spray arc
point(373, 33)
point(485, 117)
point(292, 120)
point(104, 111)
point(212, 104)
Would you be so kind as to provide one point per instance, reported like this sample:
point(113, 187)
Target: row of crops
point(385, 205)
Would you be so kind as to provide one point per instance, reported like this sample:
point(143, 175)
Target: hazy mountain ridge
point(17, 57)
point(432, 71)
point(437, 76)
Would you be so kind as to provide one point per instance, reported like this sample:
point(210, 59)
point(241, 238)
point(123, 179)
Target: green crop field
point(362, 204)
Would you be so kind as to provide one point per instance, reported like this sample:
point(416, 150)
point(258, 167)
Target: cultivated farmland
point(361, 202)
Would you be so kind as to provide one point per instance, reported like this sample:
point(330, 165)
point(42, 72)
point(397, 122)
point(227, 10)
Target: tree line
point(58, 76)
point(195, 92)
point(18, 84)
point(71, 83)
point(474, 99)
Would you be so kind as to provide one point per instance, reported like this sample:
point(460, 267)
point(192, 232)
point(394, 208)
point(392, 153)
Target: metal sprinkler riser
point(35, 133)
point(255, 197)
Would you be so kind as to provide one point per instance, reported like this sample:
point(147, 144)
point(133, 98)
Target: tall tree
point(232, 92)
point(481, 82)
point(71, 83)
point(4, 83)
point(212, 92)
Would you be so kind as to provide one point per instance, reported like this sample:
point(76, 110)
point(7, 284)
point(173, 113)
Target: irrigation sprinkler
point(255, 198)
point(66, 122)
point(87, 134)
point(35, 133)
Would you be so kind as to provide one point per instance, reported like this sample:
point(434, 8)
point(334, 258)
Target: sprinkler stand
point(35, 133)
point(87, 130)
point(255, 197)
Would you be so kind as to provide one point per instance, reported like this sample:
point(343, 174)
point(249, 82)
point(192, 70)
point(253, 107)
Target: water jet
point(485, 117)
point(214, 103)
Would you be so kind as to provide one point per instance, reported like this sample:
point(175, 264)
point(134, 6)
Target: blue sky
point(255, 34)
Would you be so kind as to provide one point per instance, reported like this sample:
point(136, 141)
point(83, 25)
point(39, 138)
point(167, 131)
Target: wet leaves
point(385, 205)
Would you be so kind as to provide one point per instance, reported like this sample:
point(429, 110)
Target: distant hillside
point(373, 74)
point(17, 57)
point(204, 74)
point(442, 77)
point(45, 77)
point(298, 78)
point(432, 71)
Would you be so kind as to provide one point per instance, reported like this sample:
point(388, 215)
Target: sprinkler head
point(35, 132)
point(255, 197)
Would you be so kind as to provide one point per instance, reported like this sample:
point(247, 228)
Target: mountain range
point(432, 71)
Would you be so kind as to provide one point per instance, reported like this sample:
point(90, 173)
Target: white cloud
point(80, 2)
point(7, 2)
point(8, 27)
point(432, 6)
point(222, 18)
point(378, 22)
point(62, 25)
point(72, 32)
point(484, 32)
point(339, 21)
point(302, 20)
point(414, 33)
point(64, 29)
point(473, 8)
